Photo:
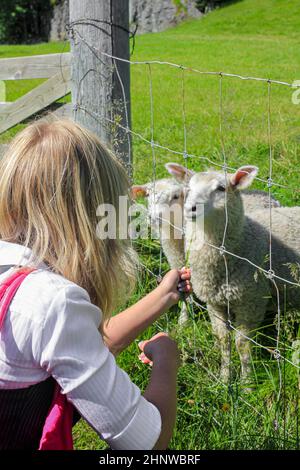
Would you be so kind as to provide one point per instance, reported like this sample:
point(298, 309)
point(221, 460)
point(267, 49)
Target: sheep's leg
point(243, 346)
point(247, 320)
point(174, 251)
point(221, 331)
point(183, 317)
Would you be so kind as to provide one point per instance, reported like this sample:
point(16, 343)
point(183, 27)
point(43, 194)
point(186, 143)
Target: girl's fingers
point(187, 288)
point(183, 283)
point(182, 270)
point(185, 274)
point(142, 344)
point(161, 333)
point(144, 359)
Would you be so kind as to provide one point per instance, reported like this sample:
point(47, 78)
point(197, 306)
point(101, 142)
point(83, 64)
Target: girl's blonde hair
point(52, 179)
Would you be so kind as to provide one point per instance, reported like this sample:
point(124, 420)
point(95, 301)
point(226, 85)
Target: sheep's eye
point(176, 196)
point(221, 188)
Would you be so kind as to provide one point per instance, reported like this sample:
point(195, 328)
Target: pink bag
point(57, 431)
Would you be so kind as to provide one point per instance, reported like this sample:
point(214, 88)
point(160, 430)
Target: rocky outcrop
point(59, 20)
point(149, 15)
point(158, 15)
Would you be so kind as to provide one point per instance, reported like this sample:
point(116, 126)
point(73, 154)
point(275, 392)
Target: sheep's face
point(206, 193)
point(209, 192)
point(165, 200)
point(165, 196)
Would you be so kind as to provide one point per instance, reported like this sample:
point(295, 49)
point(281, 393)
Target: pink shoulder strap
point(57, 430)
point(8, 289)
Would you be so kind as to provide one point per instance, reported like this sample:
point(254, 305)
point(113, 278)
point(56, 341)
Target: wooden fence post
point(101, 85)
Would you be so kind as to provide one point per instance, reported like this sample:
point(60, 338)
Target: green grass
point(211, 415)
point(245, 38)
point(257, 38)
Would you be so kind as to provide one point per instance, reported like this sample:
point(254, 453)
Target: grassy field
point(258, 38)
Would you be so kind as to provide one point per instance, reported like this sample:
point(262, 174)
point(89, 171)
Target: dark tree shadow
point(205, 6)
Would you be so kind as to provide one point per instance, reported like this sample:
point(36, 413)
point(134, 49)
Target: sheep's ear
point(243, 177)
point(181, 173)
point(139, 191)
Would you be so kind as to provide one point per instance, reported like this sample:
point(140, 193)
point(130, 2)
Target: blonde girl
point(59, 329)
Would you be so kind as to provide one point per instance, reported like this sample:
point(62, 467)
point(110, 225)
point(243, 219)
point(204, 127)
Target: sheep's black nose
point(194, 208)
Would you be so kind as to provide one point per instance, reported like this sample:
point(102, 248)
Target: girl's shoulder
point(40, 289)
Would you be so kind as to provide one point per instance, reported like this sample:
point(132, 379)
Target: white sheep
point(249, 292)
point(257, 199)
point(165, 200)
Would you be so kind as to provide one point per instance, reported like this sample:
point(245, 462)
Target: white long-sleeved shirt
point(51, 328)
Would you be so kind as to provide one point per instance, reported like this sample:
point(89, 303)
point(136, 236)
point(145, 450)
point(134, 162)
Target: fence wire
point(187, 158)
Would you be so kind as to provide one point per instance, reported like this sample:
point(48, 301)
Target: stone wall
point(150, 15)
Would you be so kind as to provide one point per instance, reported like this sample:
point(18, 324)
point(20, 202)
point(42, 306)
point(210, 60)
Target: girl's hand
point(174, 283)
point(160, 348)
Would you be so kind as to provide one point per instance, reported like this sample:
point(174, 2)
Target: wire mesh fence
point(274, 344)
